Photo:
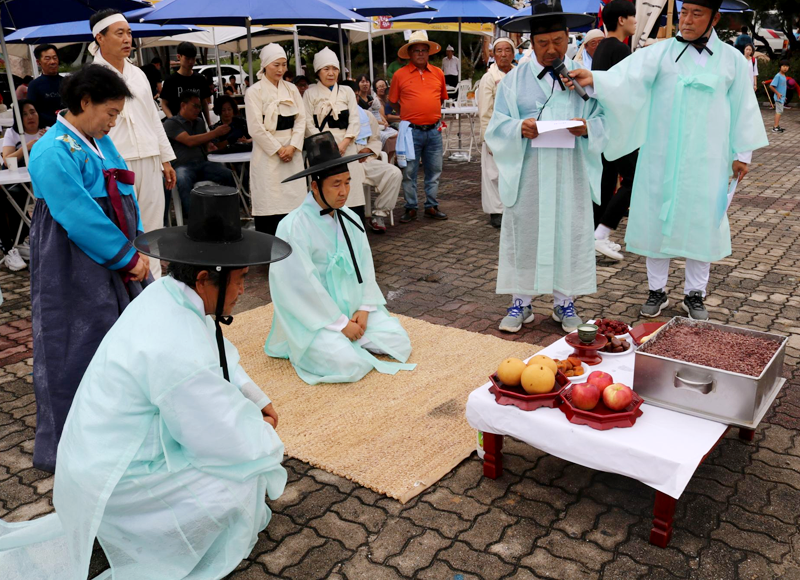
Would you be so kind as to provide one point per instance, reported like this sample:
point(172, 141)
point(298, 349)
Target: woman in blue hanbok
point(84, 268)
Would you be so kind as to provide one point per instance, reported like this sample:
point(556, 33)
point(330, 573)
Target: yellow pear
point(545, 361)
point(510, 371)
point(537, 379)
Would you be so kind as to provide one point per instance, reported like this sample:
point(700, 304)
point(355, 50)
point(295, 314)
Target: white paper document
point(721, 212)
point(554, 134)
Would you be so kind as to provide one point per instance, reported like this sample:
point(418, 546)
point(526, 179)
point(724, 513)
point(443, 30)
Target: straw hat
point(418, 37)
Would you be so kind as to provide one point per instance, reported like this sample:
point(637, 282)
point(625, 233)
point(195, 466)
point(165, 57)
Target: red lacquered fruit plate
point(516, 396)
point(643, 330)
point(601, 417)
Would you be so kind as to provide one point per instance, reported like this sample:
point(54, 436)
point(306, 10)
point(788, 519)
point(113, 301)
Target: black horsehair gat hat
point(323, 157)
point(548, 16)
point(717, 5)
point(214, 235)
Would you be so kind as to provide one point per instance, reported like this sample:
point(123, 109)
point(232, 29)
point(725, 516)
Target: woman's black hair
point(23, 102)
point(98, 16)
point(360, 78)
point(615, 10)
point(97, 82)
point(221, 101)
point(300, 79)
point(187, 273)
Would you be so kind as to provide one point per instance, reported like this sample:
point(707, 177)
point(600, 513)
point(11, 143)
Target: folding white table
point(238, 162)
point(18, 177)
point(457, 112)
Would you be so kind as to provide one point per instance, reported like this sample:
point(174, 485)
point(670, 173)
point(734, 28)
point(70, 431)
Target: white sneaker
point(14, 261)
point(608, 249)
point(24, 250)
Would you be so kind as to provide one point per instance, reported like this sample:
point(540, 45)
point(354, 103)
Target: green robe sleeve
point(625, 93)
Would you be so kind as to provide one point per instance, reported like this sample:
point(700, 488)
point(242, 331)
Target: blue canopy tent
point(17, 14)
point(382, 8)
point(234, 12)
point(70, 32)
point(461, 11)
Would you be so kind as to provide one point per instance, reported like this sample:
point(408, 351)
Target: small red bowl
point(601, 417)
point(642, 330)
point(516, 396)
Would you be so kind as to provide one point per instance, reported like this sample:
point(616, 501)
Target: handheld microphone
point(560, 68)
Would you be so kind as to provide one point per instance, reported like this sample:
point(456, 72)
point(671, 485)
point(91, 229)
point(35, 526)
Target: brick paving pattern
point(545, 518)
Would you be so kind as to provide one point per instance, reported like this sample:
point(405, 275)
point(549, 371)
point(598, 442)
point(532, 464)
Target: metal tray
point(714, 394)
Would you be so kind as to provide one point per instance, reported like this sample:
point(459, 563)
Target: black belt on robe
point(342, 123)
point(285, 123)
point(341, 214)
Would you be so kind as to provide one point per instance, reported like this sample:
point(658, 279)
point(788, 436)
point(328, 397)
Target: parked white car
point(210, 71)
point(769, 28)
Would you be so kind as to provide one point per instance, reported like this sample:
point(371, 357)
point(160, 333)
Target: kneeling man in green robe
point(330, 315)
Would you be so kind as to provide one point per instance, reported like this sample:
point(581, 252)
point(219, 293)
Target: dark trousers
point(9, 218)
point(613, 205)
point(451, 80)
point(268, 224)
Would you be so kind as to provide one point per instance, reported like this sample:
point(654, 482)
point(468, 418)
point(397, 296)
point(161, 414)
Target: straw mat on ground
point(396, 435)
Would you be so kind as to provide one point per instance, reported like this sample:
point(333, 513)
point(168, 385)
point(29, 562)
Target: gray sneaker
point(567, 316)
point(693, 304)
point(517, 314)
point(656, 302)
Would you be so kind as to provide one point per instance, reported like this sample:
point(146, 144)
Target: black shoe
point(693, 305)
point(408, 216)
point(656, 302)
point(496, 219)
point(433, 212)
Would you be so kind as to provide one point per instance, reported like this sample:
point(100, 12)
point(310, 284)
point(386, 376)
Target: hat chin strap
point(220, 319)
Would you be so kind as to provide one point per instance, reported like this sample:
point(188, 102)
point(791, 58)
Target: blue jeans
point(428, 149)
point(189, 174)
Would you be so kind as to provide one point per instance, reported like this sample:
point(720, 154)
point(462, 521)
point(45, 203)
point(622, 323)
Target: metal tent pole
point(385, 74)
point(459, 49)
point(298, 61)
point(219, 68)
point(17, 112)
point(138, 45)
point(341, 52)
point(249, 50)
point(369, 50)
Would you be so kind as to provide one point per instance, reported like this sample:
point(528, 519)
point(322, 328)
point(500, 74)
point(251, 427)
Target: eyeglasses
point(420, 51)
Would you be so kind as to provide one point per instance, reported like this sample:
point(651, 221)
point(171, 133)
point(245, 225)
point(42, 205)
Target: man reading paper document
point(546, 141)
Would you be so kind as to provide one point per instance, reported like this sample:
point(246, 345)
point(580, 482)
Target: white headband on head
point(106, 22)
point(505, 39)
point(325, 57)
point(270, 54)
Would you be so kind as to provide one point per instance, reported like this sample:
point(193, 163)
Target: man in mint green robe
point(547, 238)
point(688, 103)
point(330, 315)
point(166, 457)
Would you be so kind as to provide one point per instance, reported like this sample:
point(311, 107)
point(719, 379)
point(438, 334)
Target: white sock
point(525, 298)
point(602, 232)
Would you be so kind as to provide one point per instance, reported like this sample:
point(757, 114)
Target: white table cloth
point(662, 450)
point(243, 160)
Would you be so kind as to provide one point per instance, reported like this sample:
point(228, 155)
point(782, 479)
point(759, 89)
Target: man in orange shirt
point(417, 92)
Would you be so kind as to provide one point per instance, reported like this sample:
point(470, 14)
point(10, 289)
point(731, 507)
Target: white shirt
point(11, 138)
point(138, 133)
point(450, 66)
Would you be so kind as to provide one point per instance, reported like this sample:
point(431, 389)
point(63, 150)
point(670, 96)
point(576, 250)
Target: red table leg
point(663, 512)
point(746, 434)
point(492, 455)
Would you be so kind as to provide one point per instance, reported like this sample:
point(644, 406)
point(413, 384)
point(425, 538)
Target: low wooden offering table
point(662, 449)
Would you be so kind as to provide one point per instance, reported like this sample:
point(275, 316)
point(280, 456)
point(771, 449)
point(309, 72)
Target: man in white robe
point(547, 237)
point(169, 448)
point(688, 104)
point(138, 135)
point(503, 54)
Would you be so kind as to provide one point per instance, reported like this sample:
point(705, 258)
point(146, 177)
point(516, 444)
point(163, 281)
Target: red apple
point(600, 380)
point(585, 396)
point(617, 396)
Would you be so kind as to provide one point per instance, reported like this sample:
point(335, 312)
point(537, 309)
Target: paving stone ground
point(545, 518)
